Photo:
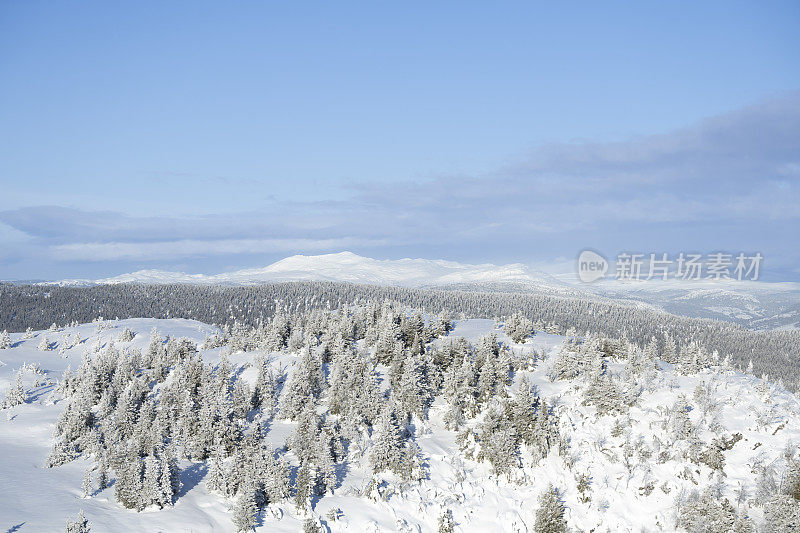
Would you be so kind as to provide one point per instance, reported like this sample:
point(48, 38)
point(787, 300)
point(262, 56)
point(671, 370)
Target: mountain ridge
point(753, 304)
point(345, 267)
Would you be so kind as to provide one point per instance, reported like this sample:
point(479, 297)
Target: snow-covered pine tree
point(311, 525)
point(387, 345)
point(387, 449)
point(518, 328)
point(523, 411)
point(709, 514)
point(265, 392)
point(241, 470)
point(441, 325)
point(546, 430)
point(216, 479)
point(781, 514)
point(601, 391)
point(460, 391)
point(488, 371)
point(156, 353)
point(413, 392)
point(791, 482)
point(303, 439)
point(169, 480)
point(80, 525)
point(454, 417)
point(354, 391)
point(44, 344)
point(128, 487)
point(325, 463)
point(305, 385)
point(126, 335)
point(550, 514)
point(446, 523)
point(498, 440)
point(670, 352)
point(102, 474)
point(303, 486)
point(680, 426)
point(413, 464)
point(151, 483)
point(16, 394)
point(245, 511)
point(5, 340)
point(687, 359)
point(270, 474)
point(87, 483)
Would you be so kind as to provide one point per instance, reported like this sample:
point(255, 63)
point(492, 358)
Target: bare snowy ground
point(34, 498)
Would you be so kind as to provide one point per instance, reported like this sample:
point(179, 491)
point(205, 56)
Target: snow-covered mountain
point(755, 305)
point(351, 268)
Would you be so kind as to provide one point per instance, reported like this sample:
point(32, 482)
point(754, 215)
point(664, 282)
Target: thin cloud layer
point(728, 181)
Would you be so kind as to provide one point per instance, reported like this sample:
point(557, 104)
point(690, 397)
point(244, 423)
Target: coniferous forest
point(323, 402)
point(775, 353)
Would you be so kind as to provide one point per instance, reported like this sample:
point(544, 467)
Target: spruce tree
point(276, 477)
point(16, 394)
point(5, 340)
point(791, 484)
point(670, 352)
point(303, 488)
point(325, 463)
point(128, 487)
point(305, 385)
point(80, 525)
point(44, 344)
point(523, 411)
point(550, 514)
point(216, 479)
point(169, 481)
point(102, 474)
point(245, 511)
point(413, 393)
point(126, 335)
point(87, 483)
point(387, 449)
point(151, 483)
point(781, 514)
point(446, 523)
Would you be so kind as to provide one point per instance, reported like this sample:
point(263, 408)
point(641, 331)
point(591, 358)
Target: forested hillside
point(776, 353)
point(381, 417)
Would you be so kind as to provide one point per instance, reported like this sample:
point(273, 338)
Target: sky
point(210, 136)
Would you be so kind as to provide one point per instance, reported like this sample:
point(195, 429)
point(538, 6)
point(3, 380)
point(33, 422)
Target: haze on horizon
point(208, 138)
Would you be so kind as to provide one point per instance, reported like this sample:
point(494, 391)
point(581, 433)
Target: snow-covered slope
point(351, 268)
point(755, 305)
point(634, 481)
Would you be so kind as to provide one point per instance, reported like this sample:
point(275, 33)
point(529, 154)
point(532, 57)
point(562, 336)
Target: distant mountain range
point(347, 267)
point(755, 305)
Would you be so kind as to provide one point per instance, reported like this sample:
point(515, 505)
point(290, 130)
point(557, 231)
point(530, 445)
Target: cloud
point(737, 171)
point(742, 165)
point(10, 235)
point(155, 251)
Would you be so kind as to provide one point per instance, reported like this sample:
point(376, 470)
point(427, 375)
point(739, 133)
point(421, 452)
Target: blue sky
point(207, 137)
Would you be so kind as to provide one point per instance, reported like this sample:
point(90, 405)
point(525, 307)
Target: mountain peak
point(349, 267)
